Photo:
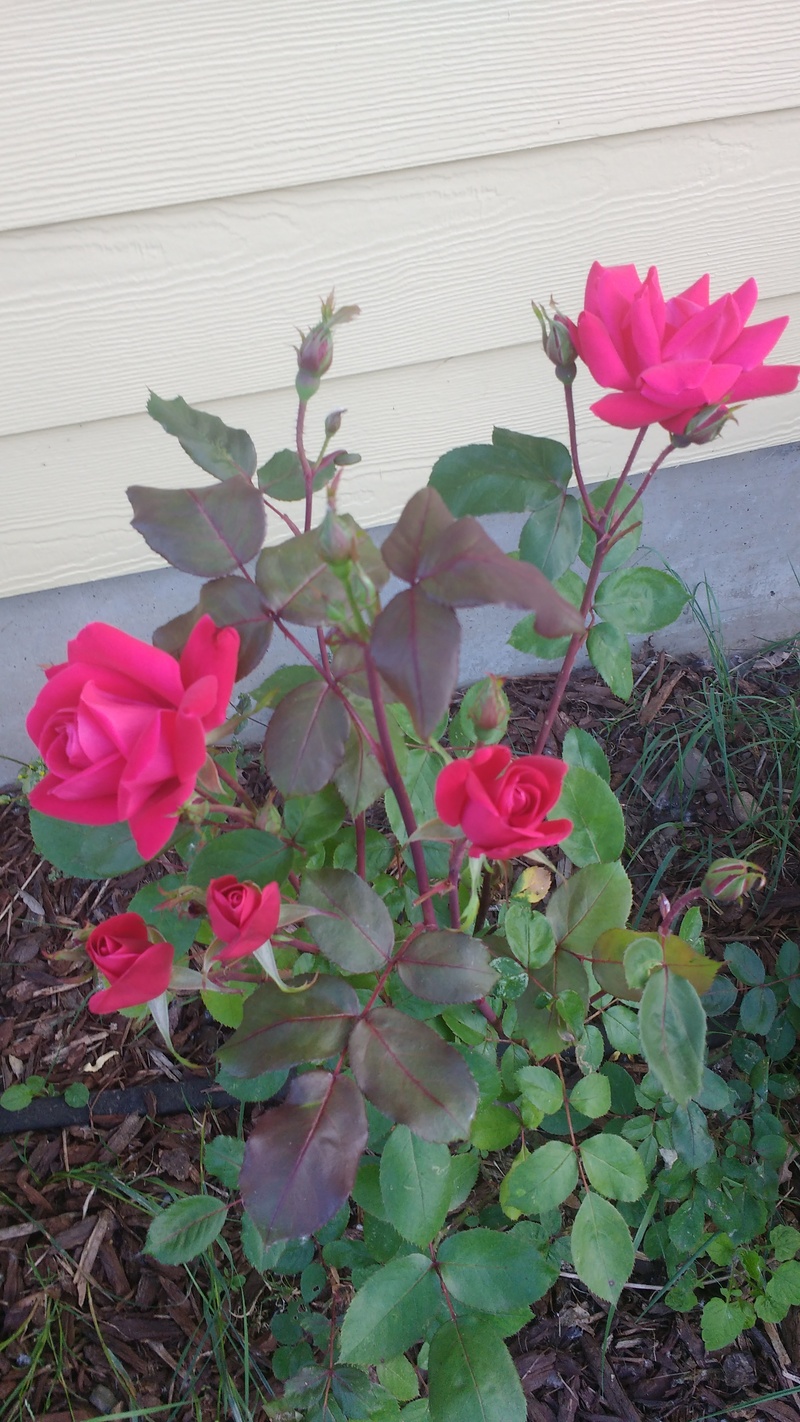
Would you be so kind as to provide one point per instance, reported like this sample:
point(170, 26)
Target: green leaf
point(415, 1185)
point(494, 1127)
point(360, 1397)
point(613, 1166)
point(185, 1229)
point(501, 478)
point(76, 1095)
point(783, 1288)
point(672, 1026)
point(354, 929)
point(784, 1241)
point(85, 851)
point(282, 1029)
point(258, 1088)
point(214, 446)
point(602, 1251)
point(590, 902)
point(493, 1272)
point(723, 1321)
point(529, 934)
point(598, 834)
point(538, 1019)
point(301, 1157)
point(610, 654)
point(757, 1011)
point(407, 1071)
point(551, 538)
point(391, 1311)
point(541, 1181)
point(306, 739)
point(359, 779)
point(526, 637)
point(690, 1136)
point(247, 853)
point(310, 820)
point(592, 1096)
point(632, 524)
point(541, 1088)
point(178, 929)
point(581, 749)
point(471, 1377)
point(223, 1158)
point(17, 1097)
point(400, 1377)
point(281, 477)
point(745, 964)
point(443, 965)
point(208, 531)
point(621, 1026)
point(226, 1008)
point(640, 599)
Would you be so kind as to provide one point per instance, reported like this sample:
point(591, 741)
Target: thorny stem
point(397, 786)
point(290, 523)
point(669, 912)
point(605, 537)
point(325, 672)
point(308, 472)
point(570, 1128)
point(237, 812)
point(591, 511)
point(456, 861)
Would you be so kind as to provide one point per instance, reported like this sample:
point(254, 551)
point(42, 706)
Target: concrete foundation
point(733, 522)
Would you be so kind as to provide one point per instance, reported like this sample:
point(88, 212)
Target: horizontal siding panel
point(203, 299)
point(110, 107)
point(65, 515)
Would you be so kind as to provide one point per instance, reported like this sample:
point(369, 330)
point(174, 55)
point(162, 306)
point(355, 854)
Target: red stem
point(591, 511)
point(456, 861)
point(308, 472)
point(360, 825)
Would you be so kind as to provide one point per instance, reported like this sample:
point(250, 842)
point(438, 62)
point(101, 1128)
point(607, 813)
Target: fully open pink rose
point(137, 970)
point(671, 359)
point(122, 727)
point(500, 803)
point(242, 915)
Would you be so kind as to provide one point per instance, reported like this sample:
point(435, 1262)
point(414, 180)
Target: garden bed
point(705, 762)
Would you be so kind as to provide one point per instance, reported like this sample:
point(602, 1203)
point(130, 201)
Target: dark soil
point(71, 1267)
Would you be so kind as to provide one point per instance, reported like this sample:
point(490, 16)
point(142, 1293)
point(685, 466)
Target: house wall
point(180, 181)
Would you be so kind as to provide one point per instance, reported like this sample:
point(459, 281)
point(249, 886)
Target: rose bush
point(500, 803)
point(122, 726)
point(671, 359)
point(242, 916)
point(137, 970)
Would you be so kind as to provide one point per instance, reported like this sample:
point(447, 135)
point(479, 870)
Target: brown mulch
point(133, 1333)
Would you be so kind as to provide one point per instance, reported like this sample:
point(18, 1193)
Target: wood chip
point(83, 1273)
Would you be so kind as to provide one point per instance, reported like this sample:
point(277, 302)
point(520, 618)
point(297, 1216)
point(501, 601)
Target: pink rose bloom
point(500, 803)
point(137, 970)
point(122, 727)
point(242, 915)
point(671, 359)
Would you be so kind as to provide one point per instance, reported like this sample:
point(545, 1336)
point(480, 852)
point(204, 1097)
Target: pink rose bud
point(243, 916)
point(669, 360)
point(500, 803)
point(557, 343)
point(333, 422)
point(705, 426)
point(137, 970)
point(727, 880)
point(122, 727)
point(485, 710)
point(337, 539)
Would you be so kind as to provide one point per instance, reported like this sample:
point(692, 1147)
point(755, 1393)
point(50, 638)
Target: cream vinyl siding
point(181, 182)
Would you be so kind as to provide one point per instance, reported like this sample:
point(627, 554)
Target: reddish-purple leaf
point(463, 567)
point(355, 929)
point(301, 586)
point(283, 1029)
point(447, 966)
point(415, 645)
point(220, 450)
point(405, 1069)
point(306, 738)
point(424, 518)
point(206, 531)
point(301, 1158)
point(231, 602)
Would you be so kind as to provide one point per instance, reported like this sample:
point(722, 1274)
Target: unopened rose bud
point(704, 426)
point(727, 880)
point(337, 539)
point(485, 710)
point(333, 423)
point(557, 343)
